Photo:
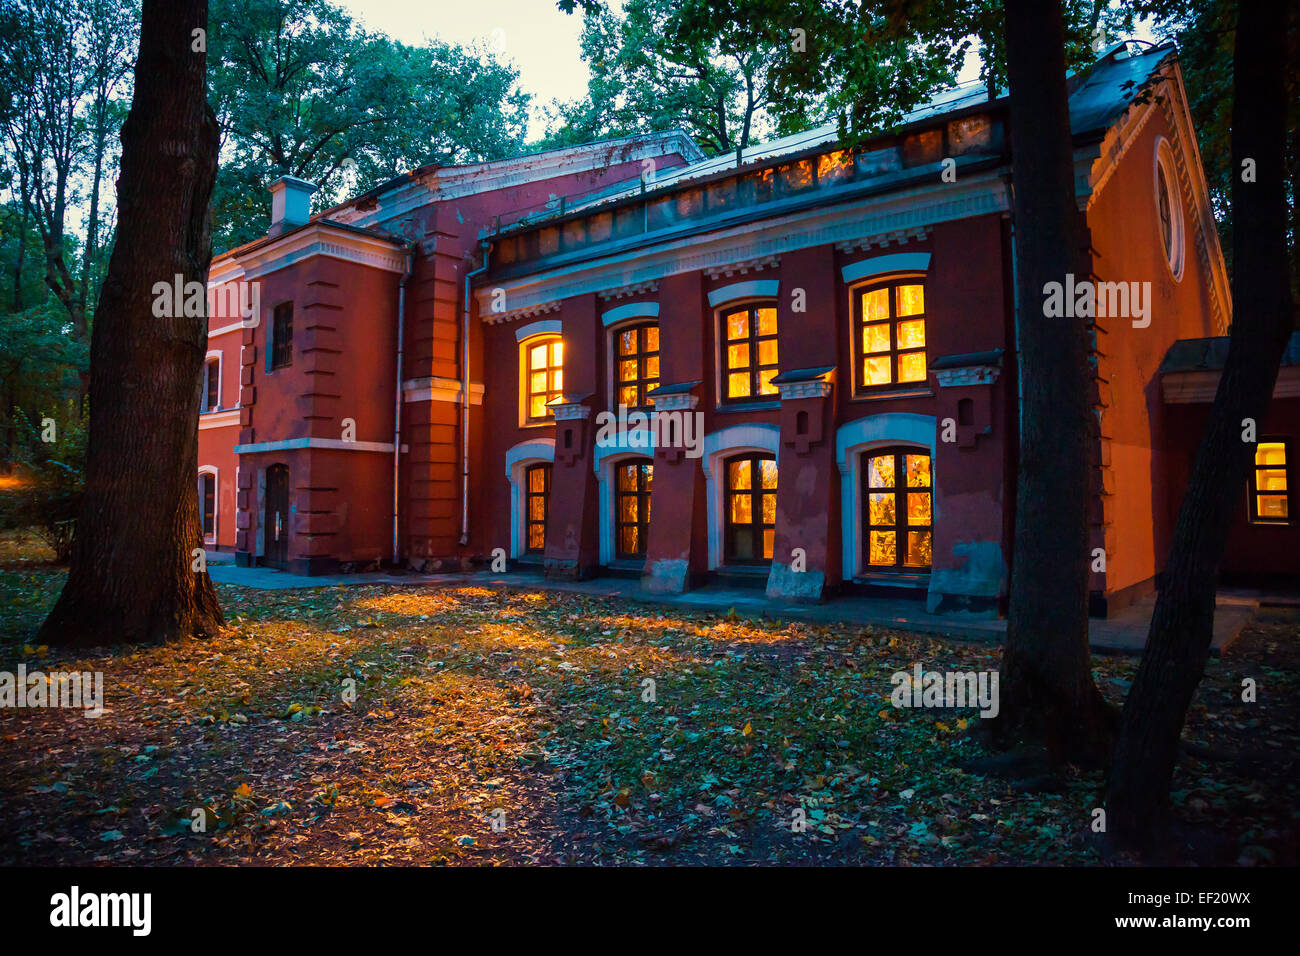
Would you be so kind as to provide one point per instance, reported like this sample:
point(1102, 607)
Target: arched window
point(537, 504)
point(632, 507)
point(889, 347)
point(749, 359)
point(898, 509)
point(750, 515)
point(543, 380)
point(636, 364)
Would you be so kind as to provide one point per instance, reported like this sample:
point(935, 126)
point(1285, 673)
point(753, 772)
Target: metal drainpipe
point(464, 397)
point(397, 401)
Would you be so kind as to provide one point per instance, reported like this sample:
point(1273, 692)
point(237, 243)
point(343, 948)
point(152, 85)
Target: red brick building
point(431, 368)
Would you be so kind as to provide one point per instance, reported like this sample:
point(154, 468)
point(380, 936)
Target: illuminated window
point(211, 385)
point(636, 364)
point(632, 508)
point(537, 485)
point(748, 353)
point(208, 503)
point(889, 345)
point(750, 520)
point(543, 359)
point(898, 509)
point(1269, 490)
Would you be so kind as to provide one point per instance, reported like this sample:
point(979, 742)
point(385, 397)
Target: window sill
point(546, 424)
point(893, 394)
point(885, 579)
point(741, 407)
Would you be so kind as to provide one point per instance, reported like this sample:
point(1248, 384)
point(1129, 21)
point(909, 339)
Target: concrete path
point(1125, 633)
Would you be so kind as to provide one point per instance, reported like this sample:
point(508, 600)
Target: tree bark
point(1048, 694)
point(1178, 643)
point(131, 579)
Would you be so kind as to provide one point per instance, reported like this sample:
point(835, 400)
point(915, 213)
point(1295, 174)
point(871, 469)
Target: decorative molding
point(753, 289)
point(812, 389)
point(867, 218)
point(636, 288)
point(633, 310)
point(225, 329)
point(545, 327)
point(743, 268)
point(436, 389)
point(900, 238)
point(678, 401)
point(967, 375)
point(319, 238)
point(541, 308)
point(571, 411)
point(879, 265)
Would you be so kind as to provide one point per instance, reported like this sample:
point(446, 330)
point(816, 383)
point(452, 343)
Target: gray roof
point(1210, 354)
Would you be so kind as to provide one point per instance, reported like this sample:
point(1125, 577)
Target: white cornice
point(967, 375)
point(222, 419)
point(320, 239)
point(524, 312)
point(877, 216)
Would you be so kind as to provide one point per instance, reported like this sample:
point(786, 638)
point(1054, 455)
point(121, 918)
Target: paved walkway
point(1125, 633)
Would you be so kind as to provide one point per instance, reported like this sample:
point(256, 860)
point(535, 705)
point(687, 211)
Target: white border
point(722, 444)
point(604, 475)
point(215, 472)
point(1162, 157)
point(519, 457)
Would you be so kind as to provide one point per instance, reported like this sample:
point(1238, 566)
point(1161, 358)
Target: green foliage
point(52, 478)
point(299, 88)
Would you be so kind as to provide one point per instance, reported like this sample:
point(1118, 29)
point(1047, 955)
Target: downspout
point(397, 402)
point(464, 397)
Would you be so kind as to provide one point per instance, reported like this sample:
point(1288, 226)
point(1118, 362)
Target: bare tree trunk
point(131, 579)
point(1048, 694)
point(1182, 625)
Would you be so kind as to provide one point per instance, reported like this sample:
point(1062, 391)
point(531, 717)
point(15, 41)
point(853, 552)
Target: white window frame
point(893, 429)
point(1163, 160)
point(546, 327)
point(756, 437)
point(215, 472)
point(518, 458)
point(220, 357)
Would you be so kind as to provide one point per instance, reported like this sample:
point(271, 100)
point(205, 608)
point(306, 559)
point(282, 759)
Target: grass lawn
point(502, 727)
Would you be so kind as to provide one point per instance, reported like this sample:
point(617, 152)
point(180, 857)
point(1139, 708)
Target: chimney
point(290, 203)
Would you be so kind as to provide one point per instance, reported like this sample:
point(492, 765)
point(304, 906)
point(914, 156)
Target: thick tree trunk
point(131, 579)
point(1048, 694)
point(1178, 644)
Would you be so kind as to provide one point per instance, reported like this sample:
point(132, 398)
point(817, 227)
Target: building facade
point(794, 367)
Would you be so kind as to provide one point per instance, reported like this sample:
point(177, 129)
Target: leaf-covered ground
point(499, 727)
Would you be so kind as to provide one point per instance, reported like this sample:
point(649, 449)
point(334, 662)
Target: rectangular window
point(749, 360)
point(897, 509)
point(632, 508)
point(211, 385)
point(750, 519)
point(1269, 485)
point(208, 503)
point(543, 359)
point(889, 339)
point(282, 336)
point(636, 364)
point(537, 502)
